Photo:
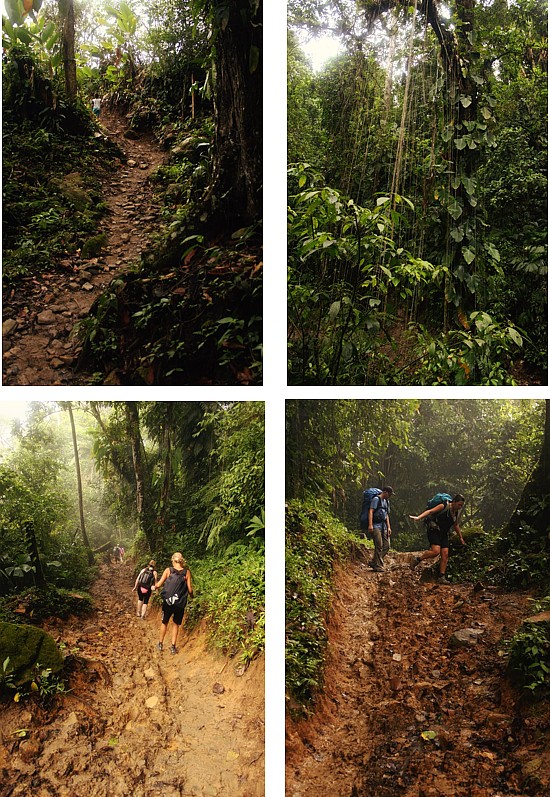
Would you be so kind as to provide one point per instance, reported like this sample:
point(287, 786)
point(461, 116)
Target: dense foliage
point(156, 477)
point(417, 195)
point(492, 451)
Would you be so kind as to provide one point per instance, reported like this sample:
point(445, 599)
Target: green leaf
point(486, 113)
point(468, 255)
point(334, 309)
point(469, 184)
point(428, 735)
point(455, 210)
point(466, 101)
point(514, 335)
point(457, 234)
point(382, 200)
point(460, 143)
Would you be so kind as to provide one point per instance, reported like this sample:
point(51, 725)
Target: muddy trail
point(137, 721)
point(393, 674)
point(40, 314)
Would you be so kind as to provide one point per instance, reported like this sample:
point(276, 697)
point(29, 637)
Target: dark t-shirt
point(380, 509)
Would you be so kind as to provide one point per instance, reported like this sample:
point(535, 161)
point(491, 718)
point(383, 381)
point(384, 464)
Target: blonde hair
point(152, 563)
point(178, 557)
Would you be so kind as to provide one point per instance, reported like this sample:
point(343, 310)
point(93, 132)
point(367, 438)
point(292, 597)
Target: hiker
point(121, 549)
point(440, 516)
point(379, 527)
point(117, 554)
point(145, 583)
point(177, 586)
point(96, 106)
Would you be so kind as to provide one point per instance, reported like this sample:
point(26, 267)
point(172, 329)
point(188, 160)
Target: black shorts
point(144, 596)
point(436, 536)
point(174, 612)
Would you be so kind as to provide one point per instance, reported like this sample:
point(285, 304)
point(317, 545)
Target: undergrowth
point(230, 596)
point(529, 652)
point(40, 224)
point(315, 539)
point(34, 605)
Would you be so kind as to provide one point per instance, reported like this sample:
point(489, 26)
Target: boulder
point(26, 647)
point(465, 637)
point(70, 187)
point(8, 327)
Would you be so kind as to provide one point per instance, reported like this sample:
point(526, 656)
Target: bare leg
point(163, 630)
point(140, 604)
point(432, 553)
point(444, 560)
point(175, 630)
point(144, 610)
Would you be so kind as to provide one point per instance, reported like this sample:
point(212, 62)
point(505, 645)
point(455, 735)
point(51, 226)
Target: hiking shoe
point(173, 649)
point(377, 569)
point(414, 561)
point(442, 580)
point(159, 646)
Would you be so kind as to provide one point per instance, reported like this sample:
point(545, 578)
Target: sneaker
point(442, 579)
point(159, 646)
point(414, 561)
point(173, 649)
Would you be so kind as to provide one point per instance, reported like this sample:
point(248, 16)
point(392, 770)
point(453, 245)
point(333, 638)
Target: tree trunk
point(234, 195)
point(533, 506)
point(167, 476)
point(32, 550)
point(79, 485)
point(132, 420)
point(66, 10)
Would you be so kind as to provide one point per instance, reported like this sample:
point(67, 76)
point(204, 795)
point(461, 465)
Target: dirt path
point(42, 311)
point(138, 721)
point(391, 676)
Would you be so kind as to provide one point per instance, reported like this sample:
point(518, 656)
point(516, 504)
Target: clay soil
point(392, 676)
point(138, 721)
point(42, 348)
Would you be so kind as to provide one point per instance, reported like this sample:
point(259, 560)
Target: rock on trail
point(410, 709)
point(138, 721)
point(39, 347)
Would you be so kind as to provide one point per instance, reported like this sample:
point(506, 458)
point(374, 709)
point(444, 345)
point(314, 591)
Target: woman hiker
point(439, 520)
point(145, 584)
point(177, 586)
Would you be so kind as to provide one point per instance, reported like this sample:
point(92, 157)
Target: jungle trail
point(446, 123)
point(132, 243)
point(416, 702)
point(136, 720)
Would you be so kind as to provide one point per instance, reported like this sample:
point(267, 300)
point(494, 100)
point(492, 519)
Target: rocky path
point(405, 712)
point(138, 721)
point(39, 347)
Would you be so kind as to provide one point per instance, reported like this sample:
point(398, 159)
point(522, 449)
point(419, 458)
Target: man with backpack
point(375, 519)
point(440, 516)
point(145, 583)
point(177, 586)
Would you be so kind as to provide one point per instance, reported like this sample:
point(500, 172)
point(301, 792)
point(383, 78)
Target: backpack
point(368, 495)
point(439, 498)
point(146, 577)
point(175, 590)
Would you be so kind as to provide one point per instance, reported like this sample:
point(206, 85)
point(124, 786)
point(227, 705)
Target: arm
point(428, 512)
point(188, 579)
point(371, 515)
point(137, 579)
point(163, 578)
point(458, 531)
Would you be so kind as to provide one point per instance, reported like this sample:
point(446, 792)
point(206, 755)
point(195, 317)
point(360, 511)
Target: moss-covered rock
point(93, 246)
point(26, 647)
point(71, 188)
